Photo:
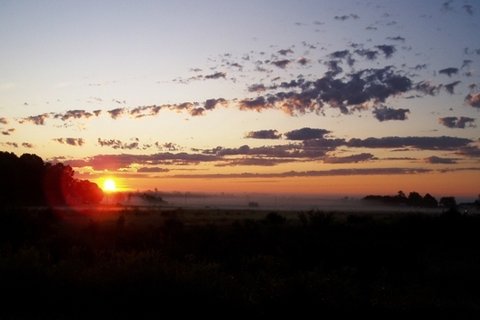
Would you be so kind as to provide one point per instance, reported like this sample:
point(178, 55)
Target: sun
point(109, 185)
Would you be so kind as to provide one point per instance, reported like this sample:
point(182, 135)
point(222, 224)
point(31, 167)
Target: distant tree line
point(414, 199)
point(27, 180)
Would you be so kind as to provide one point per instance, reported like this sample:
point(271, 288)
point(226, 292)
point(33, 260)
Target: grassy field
point(138, 262)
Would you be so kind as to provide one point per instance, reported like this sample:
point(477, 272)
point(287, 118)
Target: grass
point(134, 263)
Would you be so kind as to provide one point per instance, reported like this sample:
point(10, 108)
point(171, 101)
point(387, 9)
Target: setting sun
point(109, 185)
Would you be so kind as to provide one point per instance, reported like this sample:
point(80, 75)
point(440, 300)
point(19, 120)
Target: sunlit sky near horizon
point(318, 97)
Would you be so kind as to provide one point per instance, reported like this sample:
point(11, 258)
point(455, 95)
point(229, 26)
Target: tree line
point(28, 180)
point(414, 199)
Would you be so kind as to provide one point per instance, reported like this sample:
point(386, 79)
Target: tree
point(430, 201)
point(415, 199)
point(448, 202)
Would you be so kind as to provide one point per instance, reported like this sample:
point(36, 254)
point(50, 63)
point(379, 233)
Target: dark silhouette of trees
point(27, 180)
point(414, 199)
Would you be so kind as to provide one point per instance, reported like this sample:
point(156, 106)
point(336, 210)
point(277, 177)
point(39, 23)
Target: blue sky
point(106, 59)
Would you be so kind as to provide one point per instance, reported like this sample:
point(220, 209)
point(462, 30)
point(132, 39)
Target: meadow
point(139, 262)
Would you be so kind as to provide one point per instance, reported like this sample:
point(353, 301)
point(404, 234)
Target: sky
point(295, 97)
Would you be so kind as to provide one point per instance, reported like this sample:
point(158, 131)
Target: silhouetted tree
point(27, 180)
point(448, 202)
point(415, 199)
point(430, 201)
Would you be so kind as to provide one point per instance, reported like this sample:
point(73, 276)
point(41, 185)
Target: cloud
point(152, 169)
point(450, 87)
point(384, 113)
point(265, 162)
point(368, 54)
point(281, 63)
point(346, 17)
point(263, 134)
point(115, 162)
point(74, 114)
point(468, 9)
point(426, 87)
point(313, 173)
point(257, 88)
point(11, 144)
point(361, 157)
point(306, 134)
point(8, 132)
point(470, 151)
point(117, 112)
point(457, 122)
point(397, 38)
point(38, 120)
point(303, 61)
point(473, 99)
point(3, 120)
point(439, 160)
point(168, 146)
point(216, 75)
point(388, 50)
point(71, 141)
point(346, 94)
point(117, 144)
point(424, 143)
point(285, 52)
point(213, 103)
point(448, 71)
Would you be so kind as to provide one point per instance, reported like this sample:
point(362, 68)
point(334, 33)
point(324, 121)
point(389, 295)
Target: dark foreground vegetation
point(139, 263)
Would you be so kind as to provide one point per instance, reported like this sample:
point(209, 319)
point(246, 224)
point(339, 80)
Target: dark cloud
point(473, 99)
point(117, 112)
point(303, 61)
point(152, 169)
point(281, 63)
point(216, 75)
point(424, 143)
point(361, 157)
point(439, 160)
point(306, 134)
point(77, 142)
point(341, 54)
point(448, 71)
point(384, 113)
point(426, 87)
point(387, 50)
point(457, 122)
point(115, 162)
point(313, 173)
point(3, 120)
point(144, 111)
point(346, 17)
point(211, 104)
point(468, 9)
point(263, 134)
point(257, 88)
point(117, 144)
point(284, 52)
point(264, 162)
point(450, 87)
point(27, 145)
point(73, 114)
point(11, 144)
point(368, 54)
point(38, 120)
point(466, 63)
point(8, 132)
point(471, 151)
point(168, 146)
point(355, 89)
point(397, 38)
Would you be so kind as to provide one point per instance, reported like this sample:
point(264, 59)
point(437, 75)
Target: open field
point(139, 262)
